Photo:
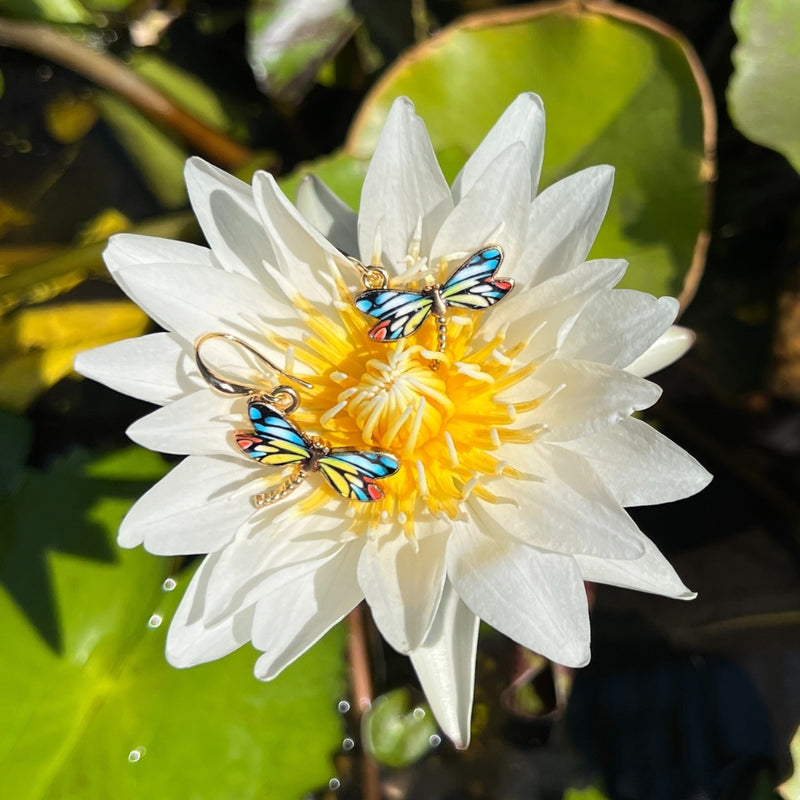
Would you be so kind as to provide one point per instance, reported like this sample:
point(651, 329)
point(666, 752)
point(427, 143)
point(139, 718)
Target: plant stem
point(361, 680)
point(110, 73)
point(359, 661)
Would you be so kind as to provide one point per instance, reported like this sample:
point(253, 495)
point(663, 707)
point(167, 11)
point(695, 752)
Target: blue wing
point(473, 284)
point(400, 311)
point(352, 473)
point(275, 440)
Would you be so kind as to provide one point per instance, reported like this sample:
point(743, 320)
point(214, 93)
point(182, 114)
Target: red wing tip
point(245, 440)
point(373, 490)
point(378, 333)
point(504, 283)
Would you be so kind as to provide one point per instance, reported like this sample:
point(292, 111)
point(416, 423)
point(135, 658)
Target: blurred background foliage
point(101, 102)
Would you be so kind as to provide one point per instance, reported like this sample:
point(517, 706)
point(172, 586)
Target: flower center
point(400, 402)
point(449, 427)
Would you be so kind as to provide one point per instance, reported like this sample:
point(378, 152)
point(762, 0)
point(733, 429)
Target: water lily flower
point(517, 442)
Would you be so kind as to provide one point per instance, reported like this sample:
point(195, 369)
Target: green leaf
point(62, 11)
point(185, 89)
point(395, 735)
point(114, 6)
point(762, 96)
point(615, 90)
point(38, 345)
point(44, 280)
point(90, 707)
point(159, 157)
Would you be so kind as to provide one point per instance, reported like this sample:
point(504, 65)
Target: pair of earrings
point(277, 441)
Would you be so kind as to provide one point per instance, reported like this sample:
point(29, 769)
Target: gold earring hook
point(371, 277)
point(283, 397)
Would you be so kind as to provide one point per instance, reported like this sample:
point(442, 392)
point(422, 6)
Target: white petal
point(404, 185)
point(226, 211)
point(189, 641)
point(493, 211)
point(332, 217)
point(201, 423)
point(445, 666)
point(564, 221)
point(522, 121)
point(618, 326)
point(639, 465)
point(128, 249)
point(534, 597)
point(272, 549)
point(552, 307)
point(663, 352)
point(155, 368)
point(651, 573)
point(289, 621)
point(403, 585)
point(192, 301)
point(594, 397)
point(302, 253)
point(568, 511)
point(196, 508)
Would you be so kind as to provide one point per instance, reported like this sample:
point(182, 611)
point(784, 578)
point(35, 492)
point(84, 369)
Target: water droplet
point(136, 754)
point(435, 739)
point(334, 784)
point(343, 706)
point(154, 621)
point(44, 72)
point(348, 744)
point(419, 713)
point(169, 584)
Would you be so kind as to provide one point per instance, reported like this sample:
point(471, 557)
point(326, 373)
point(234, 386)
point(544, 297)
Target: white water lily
point(518, 451)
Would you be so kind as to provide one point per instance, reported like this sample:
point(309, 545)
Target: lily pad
point(762, 95)
point(618, 88)
point(90, 707)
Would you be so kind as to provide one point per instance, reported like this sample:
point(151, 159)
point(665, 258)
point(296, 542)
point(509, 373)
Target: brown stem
point(359, 662)
point(361, 680)
point(112, 74)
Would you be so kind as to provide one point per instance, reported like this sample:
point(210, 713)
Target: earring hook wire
point(282, 396)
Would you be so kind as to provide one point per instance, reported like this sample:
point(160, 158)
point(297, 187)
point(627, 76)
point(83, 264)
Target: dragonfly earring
point(401, 311)
point(275, 440)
